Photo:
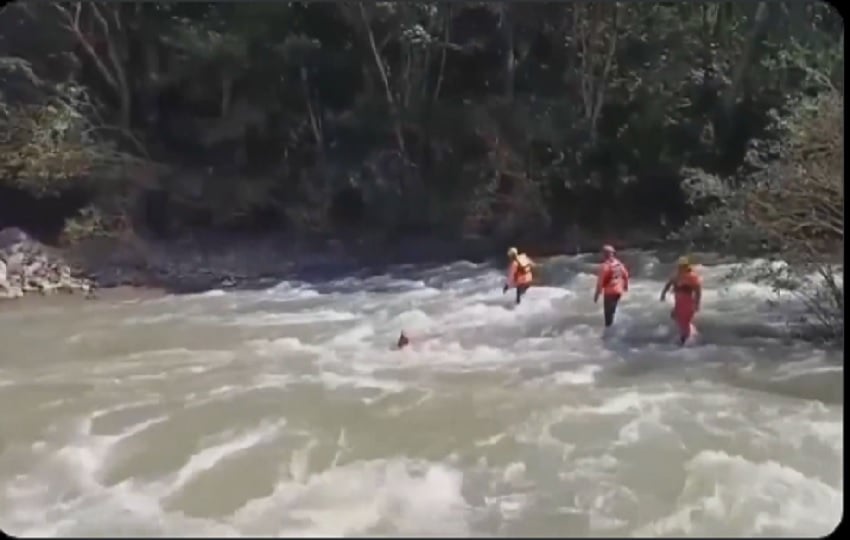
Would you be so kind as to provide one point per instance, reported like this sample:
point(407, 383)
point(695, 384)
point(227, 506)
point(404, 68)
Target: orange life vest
point(519, 272)
point(613, 277)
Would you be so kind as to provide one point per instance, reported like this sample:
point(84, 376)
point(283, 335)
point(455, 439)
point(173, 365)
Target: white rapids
point(285, 412)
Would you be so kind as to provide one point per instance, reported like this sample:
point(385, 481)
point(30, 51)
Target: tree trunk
point(126, 107)
point(748, 58)
point(382, 71)
point(114, 73)
point(116, 49)
point(226, 94)
point(406, 83)
point(510, 58)
point(595, 63)
point(315, 122)
point(602, 82)
point(427, 120)
point(151, 80)
point(446, 35)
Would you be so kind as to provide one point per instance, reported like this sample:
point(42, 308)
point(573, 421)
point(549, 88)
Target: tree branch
point(379, 63)
point(72, 24)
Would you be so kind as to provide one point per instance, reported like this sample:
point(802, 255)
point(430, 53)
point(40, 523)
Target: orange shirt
point(613, 278)
point(519, 271)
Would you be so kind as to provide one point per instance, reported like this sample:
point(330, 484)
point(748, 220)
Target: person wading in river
point(687, 294)
point(611, 282)
point(519, 273)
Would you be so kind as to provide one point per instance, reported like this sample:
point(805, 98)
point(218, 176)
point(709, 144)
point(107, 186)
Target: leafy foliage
point(460, 117)
point(54, 141)
point(796, 205)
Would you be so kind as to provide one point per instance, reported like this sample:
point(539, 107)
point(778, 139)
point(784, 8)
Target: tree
point(516, 117)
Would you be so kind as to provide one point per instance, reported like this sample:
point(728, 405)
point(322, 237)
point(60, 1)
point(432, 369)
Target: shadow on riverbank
point(250, 262)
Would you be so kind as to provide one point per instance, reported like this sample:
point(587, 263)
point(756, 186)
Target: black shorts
point(609, 307)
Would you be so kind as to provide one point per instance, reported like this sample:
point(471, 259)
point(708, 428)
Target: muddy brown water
point(284, 412)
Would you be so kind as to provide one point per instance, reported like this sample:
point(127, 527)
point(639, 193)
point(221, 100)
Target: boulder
point(12, 236)
point(5, 286)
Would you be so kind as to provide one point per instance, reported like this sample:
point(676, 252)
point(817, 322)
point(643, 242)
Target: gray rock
point(15, 263)
point(35, 284)
point(10, 292)
point(35, 268)
point(11, 236)
point(28, 266)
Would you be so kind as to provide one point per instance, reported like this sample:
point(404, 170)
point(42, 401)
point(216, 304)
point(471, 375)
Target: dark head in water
point(403, 340)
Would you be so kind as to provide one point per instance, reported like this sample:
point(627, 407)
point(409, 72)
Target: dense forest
point(472, 118)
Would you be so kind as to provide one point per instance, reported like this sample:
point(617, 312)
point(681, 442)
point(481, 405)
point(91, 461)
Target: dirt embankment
point(225, 261)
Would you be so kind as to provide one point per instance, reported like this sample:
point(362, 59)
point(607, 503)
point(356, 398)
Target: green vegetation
point(500, 120)
point(796, 205)
point(474, 117)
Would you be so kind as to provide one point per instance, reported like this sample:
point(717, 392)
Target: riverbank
point(233, 261)
point(209, 260)
point(215, 260)
point(71, 301)
point(133, 268)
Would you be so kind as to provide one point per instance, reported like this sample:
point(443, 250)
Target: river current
point(285, 411)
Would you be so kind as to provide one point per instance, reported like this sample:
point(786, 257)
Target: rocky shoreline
point(208, 261)
point(27, 266)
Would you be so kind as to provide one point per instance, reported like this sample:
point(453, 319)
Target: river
point(285, 412)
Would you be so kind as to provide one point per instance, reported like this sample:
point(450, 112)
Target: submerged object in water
point(403, 340)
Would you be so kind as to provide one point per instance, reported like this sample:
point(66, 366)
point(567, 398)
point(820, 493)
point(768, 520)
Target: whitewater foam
point(288, 412)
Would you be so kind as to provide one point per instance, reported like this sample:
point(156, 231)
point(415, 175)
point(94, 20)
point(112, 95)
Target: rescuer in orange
point(519, 273)
point(611, 282)
point(687, 293)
